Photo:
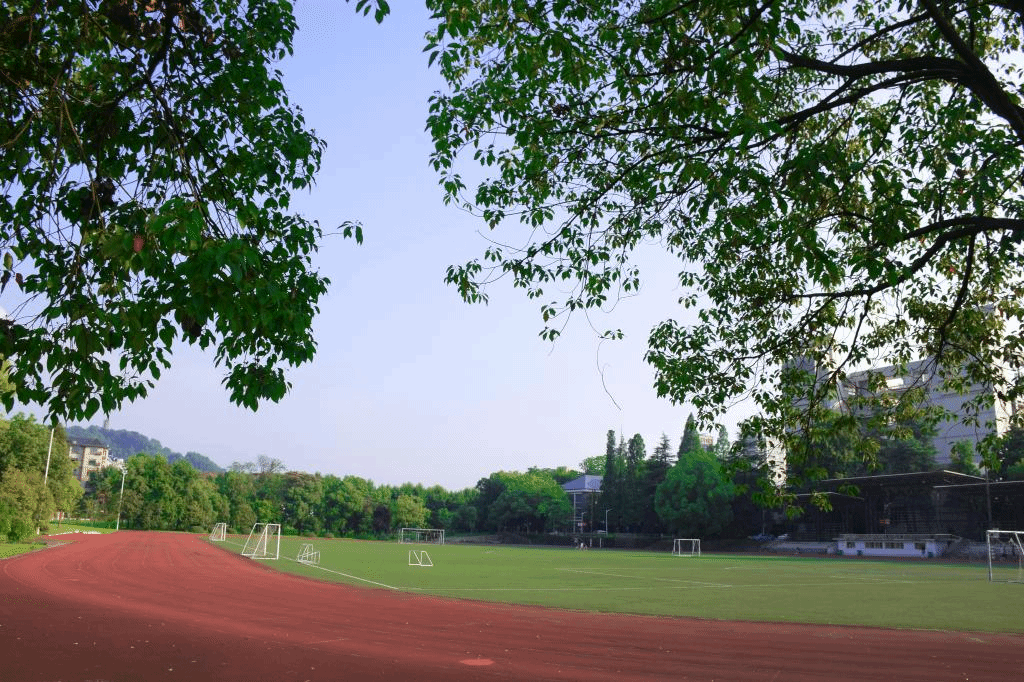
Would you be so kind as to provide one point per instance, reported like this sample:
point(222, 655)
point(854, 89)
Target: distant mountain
point(124, 444)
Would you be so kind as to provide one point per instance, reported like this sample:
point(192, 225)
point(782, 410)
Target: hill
point(123, 444)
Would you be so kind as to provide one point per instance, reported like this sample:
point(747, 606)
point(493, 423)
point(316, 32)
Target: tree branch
point(979, 79)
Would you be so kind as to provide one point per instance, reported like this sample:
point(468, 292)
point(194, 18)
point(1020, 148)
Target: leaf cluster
point(149, 156)
point(840, 182)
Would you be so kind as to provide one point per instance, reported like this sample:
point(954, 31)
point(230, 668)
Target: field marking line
point(345, 575)
point(446, 590)
point(354, 578)
point(633, 577)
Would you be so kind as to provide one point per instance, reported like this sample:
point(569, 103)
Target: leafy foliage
point(593, 465)
point(150, 154)
point(531, 502)
point(24, 504)
point(962, 459)
point(840, 182)
point(29, 493)
point(1010, 455)
point(695, 498)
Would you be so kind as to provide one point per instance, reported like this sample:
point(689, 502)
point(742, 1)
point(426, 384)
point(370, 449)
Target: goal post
point(686, 547)
point(1005, 555)
point(219, 533)
point(264, 541)
point(308, 556)
point(430, 536)
point(419, 558)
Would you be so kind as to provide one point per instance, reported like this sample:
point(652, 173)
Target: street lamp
point(606, 520)
point(121, 499)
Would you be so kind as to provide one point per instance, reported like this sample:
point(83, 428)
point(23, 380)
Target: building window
point(894, 545)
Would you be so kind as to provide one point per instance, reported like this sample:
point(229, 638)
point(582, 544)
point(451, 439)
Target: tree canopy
point(35, 476)
point(149, 157)
point(840, 182)
point(695, 498)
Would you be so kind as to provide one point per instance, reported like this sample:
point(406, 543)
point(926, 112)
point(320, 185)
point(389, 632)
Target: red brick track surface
point(162, 606)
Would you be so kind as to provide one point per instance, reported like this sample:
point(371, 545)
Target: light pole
point(46, 474)
point(121, 499)
point(606, 520)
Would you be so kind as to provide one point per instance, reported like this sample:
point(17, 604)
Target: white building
point(88, 456)
point(960, 425)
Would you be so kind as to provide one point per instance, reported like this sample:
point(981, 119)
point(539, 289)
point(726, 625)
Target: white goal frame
point(308, 556)
point(419, 557)
point(423, 536)
point(1005, 555)
point(686, 547)
point(264, 542)
point(219, 533)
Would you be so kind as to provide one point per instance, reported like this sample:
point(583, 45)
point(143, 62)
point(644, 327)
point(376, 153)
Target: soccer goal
point(219, 533)
point(264, 541)
point(1005, 556)
point(308, 556)
point(430, 536)
point(686, 547)
point(419, 558)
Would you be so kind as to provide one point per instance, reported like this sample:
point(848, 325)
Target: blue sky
point(410, 383)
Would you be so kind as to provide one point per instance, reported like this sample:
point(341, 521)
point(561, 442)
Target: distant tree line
point(690, 490)
point(159, 495)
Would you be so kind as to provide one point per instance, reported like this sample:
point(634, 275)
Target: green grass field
point(903, 594)
point(9, 550)
point(75, 528)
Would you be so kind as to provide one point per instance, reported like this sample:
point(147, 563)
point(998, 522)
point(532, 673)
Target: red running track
point(162, 606)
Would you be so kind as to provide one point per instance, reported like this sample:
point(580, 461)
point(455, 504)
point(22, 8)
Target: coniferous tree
point(655, 470)
point(691, 438)
point(610, 485)
point(722, 444)
point(632, 483)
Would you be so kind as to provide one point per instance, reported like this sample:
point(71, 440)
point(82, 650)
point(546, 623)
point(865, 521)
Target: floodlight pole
point(606, 520)
point(46, 474)
point(121, 498)
point(49, 450)
point(988, 502)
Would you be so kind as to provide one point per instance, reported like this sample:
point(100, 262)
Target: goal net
point(686, 547)
point(264, 541)
point(219, 533)
point(308, 556)
point(431, 536)
point(1005, 556)
point(419, 558)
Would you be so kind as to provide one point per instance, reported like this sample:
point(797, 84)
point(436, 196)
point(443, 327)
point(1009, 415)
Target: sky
point(410, 384)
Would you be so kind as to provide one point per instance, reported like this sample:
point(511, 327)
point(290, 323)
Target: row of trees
point(692, 490)
point(163, 496)
point(654, 494)
point(29, 493)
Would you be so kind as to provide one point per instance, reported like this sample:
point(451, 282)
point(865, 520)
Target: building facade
point(88, 456)
point(962, 424)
